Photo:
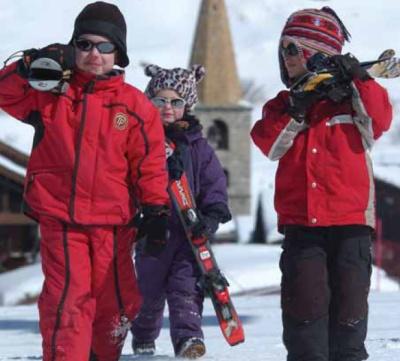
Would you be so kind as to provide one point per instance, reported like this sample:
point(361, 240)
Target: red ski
point(213, 280)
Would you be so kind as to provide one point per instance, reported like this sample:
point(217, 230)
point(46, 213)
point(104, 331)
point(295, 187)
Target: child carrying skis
point(321, 132)
point(174, 275)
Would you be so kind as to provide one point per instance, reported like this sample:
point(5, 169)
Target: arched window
point(217, 135)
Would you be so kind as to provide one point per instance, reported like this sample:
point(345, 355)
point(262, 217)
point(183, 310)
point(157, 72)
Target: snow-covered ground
point(248, 267)
point(20, 339)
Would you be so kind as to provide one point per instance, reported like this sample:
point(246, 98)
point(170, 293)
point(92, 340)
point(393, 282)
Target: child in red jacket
point(98, 159)
point(321, 132)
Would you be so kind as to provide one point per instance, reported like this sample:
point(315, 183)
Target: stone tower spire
point(212, 47)
point(226, 121)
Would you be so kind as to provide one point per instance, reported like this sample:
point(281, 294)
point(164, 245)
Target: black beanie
point(104, 19)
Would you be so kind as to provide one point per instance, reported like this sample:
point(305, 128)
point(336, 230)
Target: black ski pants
point(325, 284)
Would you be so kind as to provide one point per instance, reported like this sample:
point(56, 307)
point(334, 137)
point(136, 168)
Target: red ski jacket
point(98, 150)
point(324, 175)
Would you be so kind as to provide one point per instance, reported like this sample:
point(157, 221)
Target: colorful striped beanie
point(314, 31)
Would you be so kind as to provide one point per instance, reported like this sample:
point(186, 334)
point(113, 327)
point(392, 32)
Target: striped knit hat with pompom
point(313, 31)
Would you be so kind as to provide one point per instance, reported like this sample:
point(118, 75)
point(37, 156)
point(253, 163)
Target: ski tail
point(229, 321)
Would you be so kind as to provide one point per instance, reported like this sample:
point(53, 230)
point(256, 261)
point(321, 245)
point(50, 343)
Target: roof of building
point(13, 163)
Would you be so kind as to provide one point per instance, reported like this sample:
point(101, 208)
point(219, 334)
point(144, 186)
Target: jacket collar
point(92, 83)
point(186, 130)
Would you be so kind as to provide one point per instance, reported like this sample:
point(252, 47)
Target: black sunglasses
point(104, 47)
point(290, 50)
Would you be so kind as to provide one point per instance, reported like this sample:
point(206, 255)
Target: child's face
point(294, 61)
point(170, 104)
point(93, 61)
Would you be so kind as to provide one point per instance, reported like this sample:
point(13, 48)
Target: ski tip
point(387, 69)
point(388, 53)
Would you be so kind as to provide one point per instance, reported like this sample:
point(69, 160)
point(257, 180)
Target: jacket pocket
point(47, 185)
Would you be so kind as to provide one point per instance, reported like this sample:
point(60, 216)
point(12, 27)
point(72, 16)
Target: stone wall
point(236, 157)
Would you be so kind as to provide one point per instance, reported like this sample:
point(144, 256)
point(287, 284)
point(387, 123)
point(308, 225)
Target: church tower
point(225, 119)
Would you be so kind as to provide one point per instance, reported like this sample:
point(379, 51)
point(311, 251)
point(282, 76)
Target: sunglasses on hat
point(104, 47)
point(161, 102)
point(290, 50)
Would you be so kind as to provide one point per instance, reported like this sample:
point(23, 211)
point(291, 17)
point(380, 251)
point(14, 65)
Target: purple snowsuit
point(174, 275)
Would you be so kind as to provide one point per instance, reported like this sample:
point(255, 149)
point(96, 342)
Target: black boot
point(143, 348)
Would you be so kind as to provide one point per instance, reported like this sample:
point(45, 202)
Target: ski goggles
point(290, 50)
point(104, 47)
point(161, 102)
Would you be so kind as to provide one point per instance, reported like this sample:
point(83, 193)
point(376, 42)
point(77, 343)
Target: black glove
point(201, 229)
point(349, 67)
point(61, 53)
point(64, 55)
point(153, 229)
point(205, 226)
point(334, 89)
point(299, 103)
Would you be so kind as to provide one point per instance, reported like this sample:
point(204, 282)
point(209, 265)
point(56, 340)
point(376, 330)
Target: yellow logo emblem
point(120, 121)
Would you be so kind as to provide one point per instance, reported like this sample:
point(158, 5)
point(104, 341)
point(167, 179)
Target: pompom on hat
point(183, 81)
point(104, 19)
point(313, 31)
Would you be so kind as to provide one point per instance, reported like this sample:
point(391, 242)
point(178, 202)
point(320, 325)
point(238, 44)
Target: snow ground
point(248, 267)
point(20, 339)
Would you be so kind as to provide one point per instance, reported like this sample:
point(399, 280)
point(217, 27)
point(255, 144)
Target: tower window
point(217, 135)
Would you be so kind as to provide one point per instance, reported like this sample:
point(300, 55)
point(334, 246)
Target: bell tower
point(225, 119)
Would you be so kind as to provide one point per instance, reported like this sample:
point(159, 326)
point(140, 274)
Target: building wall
point(236, 157)
point(388, 209)
point(387, 249)
point(18, 233)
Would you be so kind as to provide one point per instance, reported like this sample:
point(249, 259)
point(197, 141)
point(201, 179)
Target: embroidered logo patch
point(120, 121)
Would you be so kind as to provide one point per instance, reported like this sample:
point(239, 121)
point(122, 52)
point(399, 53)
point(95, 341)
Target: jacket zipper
point(89, 89)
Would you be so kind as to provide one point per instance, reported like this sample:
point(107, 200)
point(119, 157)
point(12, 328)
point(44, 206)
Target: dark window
point(217, 135)
point(15, 202)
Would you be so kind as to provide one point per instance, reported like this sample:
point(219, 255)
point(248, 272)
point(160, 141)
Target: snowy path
point(20, 338)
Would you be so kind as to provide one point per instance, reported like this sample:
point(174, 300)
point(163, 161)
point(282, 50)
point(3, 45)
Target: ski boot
point(191, 348)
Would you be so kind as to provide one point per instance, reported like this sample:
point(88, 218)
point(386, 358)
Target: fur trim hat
point(313, 31)
point(183, 81)
point(101, 18)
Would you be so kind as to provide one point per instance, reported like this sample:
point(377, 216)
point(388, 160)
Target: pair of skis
point(213, 281)
point(322, 72)
point(387, 66)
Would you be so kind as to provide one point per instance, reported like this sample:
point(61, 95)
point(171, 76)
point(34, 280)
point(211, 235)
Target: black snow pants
point(326, 275)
